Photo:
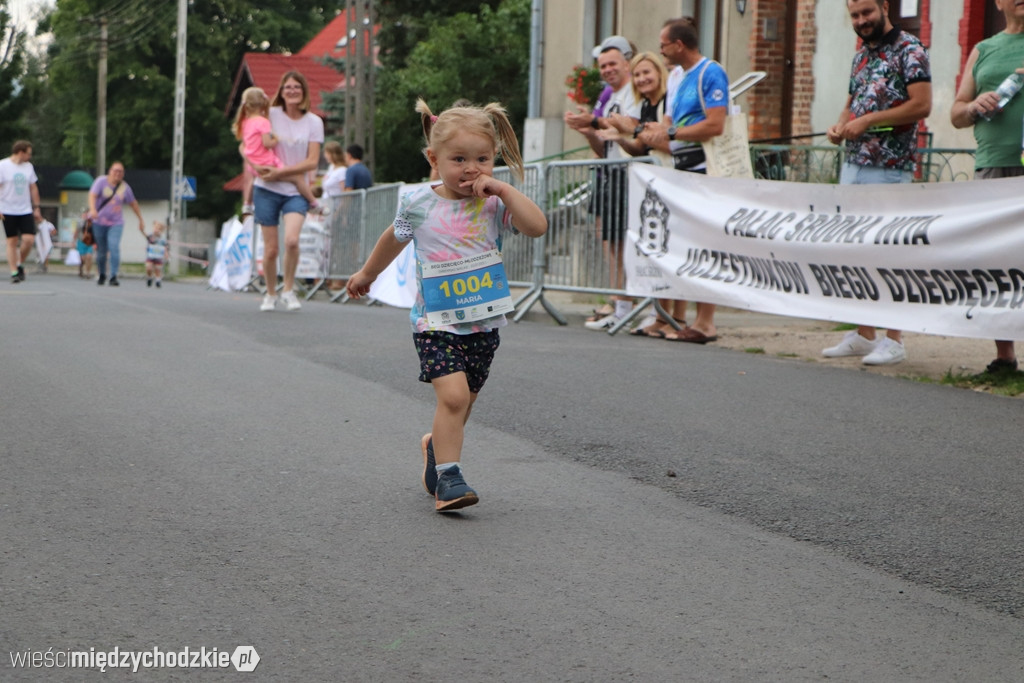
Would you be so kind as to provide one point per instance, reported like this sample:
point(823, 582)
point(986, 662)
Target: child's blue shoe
point(453, 492)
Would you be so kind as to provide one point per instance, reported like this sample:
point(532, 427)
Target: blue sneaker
point(429, 473)
point(453, 492)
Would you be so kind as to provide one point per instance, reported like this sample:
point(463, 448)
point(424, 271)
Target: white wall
point(836, 44)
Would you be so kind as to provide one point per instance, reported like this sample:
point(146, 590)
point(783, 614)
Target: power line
point(129, 24)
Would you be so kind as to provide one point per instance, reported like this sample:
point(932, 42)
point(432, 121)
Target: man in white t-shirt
point(19, 206)
point(609, 198)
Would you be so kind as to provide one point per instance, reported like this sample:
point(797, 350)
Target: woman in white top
point(300, 135)
point(333, 182)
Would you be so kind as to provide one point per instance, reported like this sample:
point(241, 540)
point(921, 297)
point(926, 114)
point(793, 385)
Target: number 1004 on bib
point(466, 290)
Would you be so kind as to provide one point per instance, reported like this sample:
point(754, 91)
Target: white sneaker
point(290, 301)
point(852, 345)
point(269, 301)
point(888, 352)
point(604, 323)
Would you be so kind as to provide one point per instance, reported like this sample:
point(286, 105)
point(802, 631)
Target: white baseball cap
point(614, 43)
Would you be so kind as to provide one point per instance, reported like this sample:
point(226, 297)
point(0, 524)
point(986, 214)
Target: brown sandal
point(599, 313)
point(655, 330)
point(688, 334)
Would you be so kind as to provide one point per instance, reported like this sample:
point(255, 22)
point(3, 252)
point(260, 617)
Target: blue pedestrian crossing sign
point(187, 188)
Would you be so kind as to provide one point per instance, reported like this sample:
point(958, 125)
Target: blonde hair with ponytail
point(490, 121)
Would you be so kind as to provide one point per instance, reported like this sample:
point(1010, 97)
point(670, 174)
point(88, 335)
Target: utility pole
point(371, 83)
point(178, 144)
point(350, 71)
point(360, 76)
point(101, 102)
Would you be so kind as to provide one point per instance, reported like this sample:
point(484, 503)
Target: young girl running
point(156, 254)
point(252, 127)
point(462, 293)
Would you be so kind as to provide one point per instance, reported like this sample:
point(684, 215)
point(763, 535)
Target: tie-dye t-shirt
point(446, 230)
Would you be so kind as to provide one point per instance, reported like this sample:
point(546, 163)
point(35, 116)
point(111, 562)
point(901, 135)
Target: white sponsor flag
point(937, 258)
point(232, 270)
point(396, 285)
point(44, 241)
point(314, 250)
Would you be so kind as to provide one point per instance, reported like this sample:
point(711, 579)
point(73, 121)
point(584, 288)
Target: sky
point(22, 12)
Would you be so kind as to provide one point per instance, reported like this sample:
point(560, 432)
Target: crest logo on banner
point(652, 237)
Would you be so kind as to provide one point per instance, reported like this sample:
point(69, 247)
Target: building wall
point(946, 64)
point(830, 66)
point(734, 45)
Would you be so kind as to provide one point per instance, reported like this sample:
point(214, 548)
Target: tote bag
point(728, 154)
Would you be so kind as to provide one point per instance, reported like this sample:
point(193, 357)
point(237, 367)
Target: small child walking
point(252, 127)
point(156, 254)
point(462, 293)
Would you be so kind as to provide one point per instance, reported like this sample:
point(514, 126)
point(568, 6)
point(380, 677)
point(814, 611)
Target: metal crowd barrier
point(357, 220)
point(574, 256)
point(821, 164)
point(518, 253)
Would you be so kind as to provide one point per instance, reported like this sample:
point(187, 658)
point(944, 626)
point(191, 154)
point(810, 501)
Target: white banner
point(314, 250)
point(233, 266)
point(396, 285)
point(937, 258)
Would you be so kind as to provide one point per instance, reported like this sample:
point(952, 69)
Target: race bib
point(466, 290)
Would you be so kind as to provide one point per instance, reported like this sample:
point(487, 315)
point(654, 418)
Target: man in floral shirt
point(890, 91)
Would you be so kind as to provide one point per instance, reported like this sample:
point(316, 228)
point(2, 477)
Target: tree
point(140, 81)
point(407, 23)
point(481, 56)
point(13, 99)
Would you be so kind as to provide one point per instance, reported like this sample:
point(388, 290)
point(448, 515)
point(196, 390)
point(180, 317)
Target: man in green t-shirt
point(997, 131)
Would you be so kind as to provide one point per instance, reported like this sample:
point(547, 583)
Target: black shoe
point(114, 282)
point(1001, 365)
point(102, 280)
point(149, 282)
point(158, 284)
point(21, 273)
point(15, 279)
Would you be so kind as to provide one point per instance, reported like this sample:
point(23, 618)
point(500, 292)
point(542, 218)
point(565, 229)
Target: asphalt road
point(180, 470)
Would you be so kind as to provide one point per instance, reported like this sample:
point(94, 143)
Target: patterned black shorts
point(443, 353)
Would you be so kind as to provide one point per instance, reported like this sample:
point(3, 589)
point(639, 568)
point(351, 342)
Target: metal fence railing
point(518, 254)
point(821, 164)
point(586, 203)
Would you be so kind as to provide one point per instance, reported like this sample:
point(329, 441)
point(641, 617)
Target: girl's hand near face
point(485, 186)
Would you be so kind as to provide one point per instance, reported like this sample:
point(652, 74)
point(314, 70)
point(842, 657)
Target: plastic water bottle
point(1006, 90)
point(1022, 148)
